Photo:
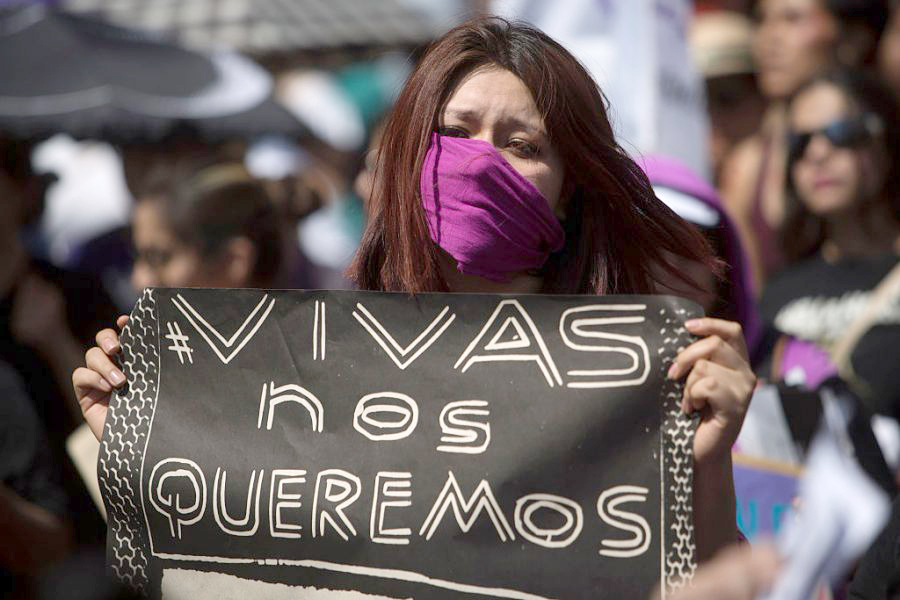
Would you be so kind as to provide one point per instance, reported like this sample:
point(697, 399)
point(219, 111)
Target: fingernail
point(108, 345)
point(116, 376)
point(105, 386)
point(691, 323)
point(673, 370)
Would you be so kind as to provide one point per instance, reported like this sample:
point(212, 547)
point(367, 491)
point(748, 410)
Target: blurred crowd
point(801, 201)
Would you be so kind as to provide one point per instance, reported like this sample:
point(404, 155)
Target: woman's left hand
point(718, 386)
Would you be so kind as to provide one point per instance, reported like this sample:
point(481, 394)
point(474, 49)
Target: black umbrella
point(263, 27)
point(65, 73)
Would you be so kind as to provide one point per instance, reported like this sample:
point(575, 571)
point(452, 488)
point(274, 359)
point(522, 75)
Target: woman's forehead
point(818, 105)
point(148, 222)
point(493, 92)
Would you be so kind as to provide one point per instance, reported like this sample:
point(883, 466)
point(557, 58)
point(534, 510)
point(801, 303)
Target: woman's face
point(828, 179)
point(162, 261)
point(793, 40)
point(493, 105)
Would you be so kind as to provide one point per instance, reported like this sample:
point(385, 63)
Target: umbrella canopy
point(65, 73)
point(265, 26)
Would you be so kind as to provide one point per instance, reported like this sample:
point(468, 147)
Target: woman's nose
point(819, 147)
point(485, 134)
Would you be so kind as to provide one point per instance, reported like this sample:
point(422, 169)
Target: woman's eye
point(451, 131)
point(523, 149)
point(154, 258)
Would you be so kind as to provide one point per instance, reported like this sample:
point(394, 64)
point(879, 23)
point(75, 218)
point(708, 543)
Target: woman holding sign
point(500, 173)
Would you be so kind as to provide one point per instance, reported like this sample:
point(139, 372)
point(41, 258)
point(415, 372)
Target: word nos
point(178, 490)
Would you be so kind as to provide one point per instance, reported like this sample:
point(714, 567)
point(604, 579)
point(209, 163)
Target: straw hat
point(720, 43)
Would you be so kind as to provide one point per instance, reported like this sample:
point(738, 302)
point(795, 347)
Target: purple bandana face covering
point(483, 213)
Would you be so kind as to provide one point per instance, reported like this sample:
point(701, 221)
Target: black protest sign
point(368, 445)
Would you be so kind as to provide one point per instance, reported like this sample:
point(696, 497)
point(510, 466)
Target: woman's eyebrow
point(519, 125)
point(471, 116)
point(462, 114)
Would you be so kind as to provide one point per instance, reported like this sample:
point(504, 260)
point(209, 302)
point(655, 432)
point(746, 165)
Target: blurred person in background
point(35, 529)
point(842, 237)
point(274, 167)
point(889, 50)
point(40, 333)
point(205, 224)
point(720, 47)
point(200, 223)
point(793, 41)
point(340, 108)
point(43, 333)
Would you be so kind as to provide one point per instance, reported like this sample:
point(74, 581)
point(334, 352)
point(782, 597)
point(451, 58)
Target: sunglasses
point(843, 133)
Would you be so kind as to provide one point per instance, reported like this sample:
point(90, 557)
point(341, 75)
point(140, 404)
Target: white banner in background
point(637, 50)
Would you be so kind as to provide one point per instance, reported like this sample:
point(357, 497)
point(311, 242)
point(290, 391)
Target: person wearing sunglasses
point(841, 133)
point(842, 236)
point(792, 41)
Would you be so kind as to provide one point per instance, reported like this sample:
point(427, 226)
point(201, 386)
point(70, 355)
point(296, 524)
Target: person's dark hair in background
point(206, 225)
point(860, 24)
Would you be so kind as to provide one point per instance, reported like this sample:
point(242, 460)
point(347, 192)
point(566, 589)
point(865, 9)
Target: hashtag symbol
point(179, 343)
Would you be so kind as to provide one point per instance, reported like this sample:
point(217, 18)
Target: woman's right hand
point(95, 382)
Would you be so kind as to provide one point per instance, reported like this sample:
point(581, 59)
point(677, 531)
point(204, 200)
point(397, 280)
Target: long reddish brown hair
point(616, 229)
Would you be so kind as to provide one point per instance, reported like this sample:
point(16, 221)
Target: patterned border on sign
point(679, 551)
point(130, 411)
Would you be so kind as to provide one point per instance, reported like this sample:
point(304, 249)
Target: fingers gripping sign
point(719, 383)
point(95, 382)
